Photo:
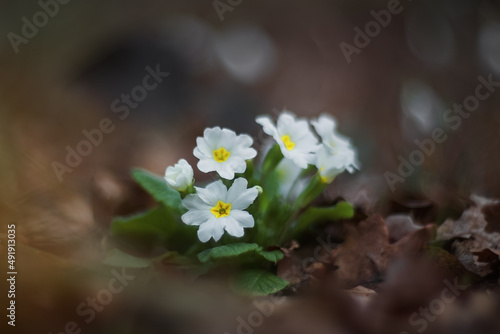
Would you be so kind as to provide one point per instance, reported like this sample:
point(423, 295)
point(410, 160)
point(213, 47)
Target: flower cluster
point(286, 170)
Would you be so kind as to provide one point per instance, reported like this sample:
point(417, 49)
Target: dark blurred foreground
point(401, 274)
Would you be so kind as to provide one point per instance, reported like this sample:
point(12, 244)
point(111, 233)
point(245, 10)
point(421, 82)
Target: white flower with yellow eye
point(329, 165)
point(337, 153)
point(179, 176)
point(294, 136)
point(224, 152)
point(215, 209)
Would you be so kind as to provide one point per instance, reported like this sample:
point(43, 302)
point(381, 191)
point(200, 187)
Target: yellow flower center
point(323, 178)
point(288, 143)
point(221, 154)
point(221, 209)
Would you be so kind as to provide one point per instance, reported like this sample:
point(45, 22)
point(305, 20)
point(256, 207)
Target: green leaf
point(159, 189)
point(117, 258)
point(272, 256)
point(258, 282)
point(342, 210)
point(226, 251)
point(272, 159)
point(147, 230)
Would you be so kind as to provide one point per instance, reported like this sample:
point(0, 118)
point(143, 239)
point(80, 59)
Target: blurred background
point(227, 62)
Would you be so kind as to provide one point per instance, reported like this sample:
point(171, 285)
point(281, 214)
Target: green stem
point(188, 191)
point(273, 158)
point(249, 171)
point(313, 190)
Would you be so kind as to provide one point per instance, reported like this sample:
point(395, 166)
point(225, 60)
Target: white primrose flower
point(296, 140)
point(215, 209)
point(223, 151)
point(179, 176)
point(329, 165)
point(337, 153)
point(326, 127)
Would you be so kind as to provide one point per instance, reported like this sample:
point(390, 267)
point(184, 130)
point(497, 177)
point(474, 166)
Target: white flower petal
point(236, 164)
point(267, 125)
point(245, 199)
point(337, 153)
point(286, 120)
point(211, 229)
point(308, 143)
point(218, 188)
point(181, 184)
point(331, 164)
point(245, 153)
point(325, 125)
point(214, 192)
point(207, 165)
point(299, 131)
point(194, 202)
point(300, 160)
point(243, 217)
point(238, 187)
point(225, 171)
point(233, 227)
point(196, 217)
point(228, 139)
point(183, 163)
point(244, 140)
point(197, 152)
point(203, 148)
point(213, 137)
